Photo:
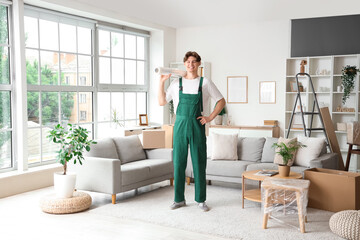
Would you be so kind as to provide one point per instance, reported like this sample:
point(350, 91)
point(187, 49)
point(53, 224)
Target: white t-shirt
point(191, 86)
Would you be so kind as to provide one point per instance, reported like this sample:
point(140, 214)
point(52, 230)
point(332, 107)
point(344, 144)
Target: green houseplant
point(74, 140)
point(348, 74)
point(286, 151)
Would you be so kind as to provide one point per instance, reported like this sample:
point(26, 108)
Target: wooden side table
point(255, 194)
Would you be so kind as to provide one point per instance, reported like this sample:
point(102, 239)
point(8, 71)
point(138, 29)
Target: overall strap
point(200, 91)
point(180, 85)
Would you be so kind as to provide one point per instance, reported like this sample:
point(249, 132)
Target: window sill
point(30, 170)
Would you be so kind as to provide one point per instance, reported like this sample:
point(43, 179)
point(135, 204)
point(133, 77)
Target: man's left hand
point(204, 120)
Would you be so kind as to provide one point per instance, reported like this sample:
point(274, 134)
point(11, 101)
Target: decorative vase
point(64, 184)
point(284, 170)
point(218, 120)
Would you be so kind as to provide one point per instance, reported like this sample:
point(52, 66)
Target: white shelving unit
point(325, 73)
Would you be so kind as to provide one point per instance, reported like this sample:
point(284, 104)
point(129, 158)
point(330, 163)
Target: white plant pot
point(64, 184)
point(218, 120)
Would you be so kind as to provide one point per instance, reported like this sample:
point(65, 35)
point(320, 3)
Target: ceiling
point(194, 13)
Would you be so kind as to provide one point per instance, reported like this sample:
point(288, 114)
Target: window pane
point(130, 123)
point(85, 71)
point(117, 71)
point(50, 108)
point(140, 48)
point(130, 72)
point(103, 106)
point(5, 153)
point(130, 105)
point(48, 35)
point(141, 103)
point(4, 65)
point(33, 109)
point(31, 32)
point(85, 107)
point(33, 144)
point(130, 46)
point(104, 70)
point(49, 68)
point(49, 148)
point(4, 33)
point(67, 38)
point(104, 43)
point(104, 130)
point(5, 111)
point(32, 66)
point(140, 73)
point(84, 40)
point(117, 44)
point(117, 102)
point(68, 69)
point(68, 108)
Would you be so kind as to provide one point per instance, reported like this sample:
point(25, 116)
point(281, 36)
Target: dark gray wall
point(325, 36)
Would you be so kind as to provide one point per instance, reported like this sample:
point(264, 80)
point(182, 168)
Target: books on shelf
point(268, 173)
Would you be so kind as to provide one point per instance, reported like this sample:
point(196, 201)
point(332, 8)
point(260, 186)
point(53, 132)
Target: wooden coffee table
point(255, 194)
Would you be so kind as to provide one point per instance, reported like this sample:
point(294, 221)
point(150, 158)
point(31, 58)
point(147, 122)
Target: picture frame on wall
point(143, 120)
point(237, 89)
point(267, 92)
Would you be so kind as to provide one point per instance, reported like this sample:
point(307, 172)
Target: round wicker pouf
point(79, 202)
point(346, 224)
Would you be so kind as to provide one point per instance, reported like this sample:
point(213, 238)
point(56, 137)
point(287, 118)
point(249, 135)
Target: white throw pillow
point(311, 151)
point(224, 146)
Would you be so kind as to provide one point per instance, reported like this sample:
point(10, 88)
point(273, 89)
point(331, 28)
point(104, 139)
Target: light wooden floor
point(22, 218)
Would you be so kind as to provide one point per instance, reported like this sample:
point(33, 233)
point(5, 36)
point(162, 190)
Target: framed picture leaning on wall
point(143, 119)
point(267, 92)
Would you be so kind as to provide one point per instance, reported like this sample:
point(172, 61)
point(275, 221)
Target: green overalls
point(189, 131)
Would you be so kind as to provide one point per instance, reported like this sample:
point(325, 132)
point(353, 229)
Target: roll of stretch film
point(172, 71)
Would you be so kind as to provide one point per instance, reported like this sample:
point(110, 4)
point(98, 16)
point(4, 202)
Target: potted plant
point(218, 119)
point(74, 141)
point(348, 74)
point(286, 151)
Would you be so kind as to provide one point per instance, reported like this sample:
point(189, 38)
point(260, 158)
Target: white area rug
point(226, 217)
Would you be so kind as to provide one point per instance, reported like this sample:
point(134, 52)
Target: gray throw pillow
point(268, 153)
point(250, 148)
point(105, 148)
point(129, 149)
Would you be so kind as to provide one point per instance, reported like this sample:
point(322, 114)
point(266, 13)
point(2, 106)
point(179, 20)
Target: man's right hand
point(163, 78)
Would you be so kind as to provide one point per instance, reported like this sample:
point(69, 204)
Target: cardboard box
point(270, 122)
point(169, 135)
point(153, 139)
point(333, 190)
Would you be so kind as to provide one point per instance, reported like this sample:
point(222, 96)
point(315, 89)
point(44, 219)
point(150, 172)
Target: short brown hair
point(192, 54)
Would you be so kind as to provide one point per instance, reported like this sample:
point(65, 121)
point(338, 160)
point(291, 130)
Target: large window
point(122, 69)
point(59, 56)
point(6, 129)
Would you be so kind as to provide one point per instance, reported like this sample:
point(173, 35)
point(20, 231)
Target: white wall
point(257, 50)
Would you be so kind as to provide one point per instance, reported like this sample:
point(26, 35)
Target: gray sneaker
point(177, 205)
point(203, 206)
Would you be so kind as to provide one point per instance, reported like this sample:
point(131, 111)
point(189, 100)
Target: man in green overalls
point(189, 95)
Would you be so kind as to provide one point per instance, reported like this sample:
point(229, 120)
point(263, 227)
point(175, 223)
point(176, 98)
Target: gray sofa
point(254, 154)
point(120, 164)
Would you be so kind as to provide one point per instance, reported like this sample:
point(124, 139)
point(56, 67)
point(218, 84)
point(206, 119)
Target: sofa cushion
point(312, 150)
point(129, 149)
point(261, 166)
point(158, 167)
point(268, 151)
point(250, 149)
point(134, 172)
point(224, 146)
point(226, 168)
point(105, 148)
point(278, 159)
